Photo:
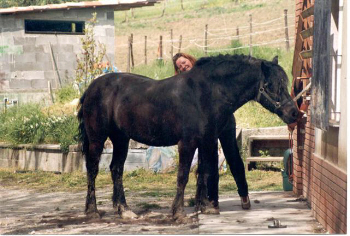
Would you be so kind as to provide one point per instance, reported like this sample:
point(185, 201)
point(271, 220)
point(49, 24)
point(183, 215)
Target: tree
point(90, 61)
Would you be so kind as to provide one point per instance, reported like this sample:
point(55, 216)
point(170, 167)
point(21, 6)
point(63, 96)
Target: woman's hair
point(185, 55)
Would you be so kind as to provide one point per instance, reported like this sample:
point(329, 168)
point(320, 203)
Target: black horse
point(193, 110)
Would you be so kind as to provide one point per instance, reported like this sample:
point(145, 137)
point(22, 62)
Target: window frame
point(28, 21)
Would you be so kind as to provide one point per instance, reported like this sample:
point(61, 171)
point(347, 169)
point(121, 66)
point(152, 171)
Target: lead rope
point(307, 87)
point(290, 158)
point(289, 166)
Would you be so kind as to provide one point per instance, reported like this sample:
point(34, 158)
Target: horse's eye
point(269, 86)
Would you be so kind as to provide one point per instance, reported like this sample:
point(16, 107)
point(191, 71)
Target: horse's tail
point(83, 138)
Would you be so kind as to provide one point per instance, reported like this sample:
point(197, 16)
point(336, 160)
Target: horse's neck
point(245, 97)
point(245, 89)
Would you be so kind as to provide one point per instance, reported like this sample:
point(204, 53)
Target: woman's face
point(183, 64)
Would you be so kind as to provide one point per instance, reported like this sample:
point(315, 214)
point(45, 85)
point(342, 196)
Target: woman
point(184, 62)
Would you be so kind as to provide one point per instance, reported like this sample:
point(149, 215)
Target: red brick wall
point(322, 183)
point(328, 199)
point(303, 147)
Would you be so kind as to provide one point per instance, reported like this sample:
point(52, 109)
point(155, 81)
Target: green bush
point(27, 124)
point(62, 130)
point(66, 94)
point(22, 124)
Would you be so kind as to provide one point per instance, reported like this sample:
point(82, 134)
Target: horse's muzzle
point(290, 114)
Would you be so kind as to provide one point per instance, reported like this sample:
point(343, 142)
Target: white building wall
point(25, 59)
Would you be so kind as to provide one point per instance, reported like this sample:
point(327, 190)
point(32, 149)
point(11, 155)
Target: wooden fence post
point(250, 35)
point(206, 40)
point(164, 7)
point(180, 42)
point(129, 53)
point(172, 46)
point(237, 33)
point(146, 50)
point(132, 13)
point(161, 47)
point(286, 28)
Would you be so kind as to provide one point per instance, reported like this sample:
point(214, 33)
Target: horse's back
point(144, 109)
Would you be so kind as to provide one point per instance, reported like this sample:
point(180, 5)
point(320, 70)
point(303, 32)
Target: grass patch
point(253, 115)
point(191, 202)
point(146, 183)
point(159, 193)
point(173, 11)
point(148, 206)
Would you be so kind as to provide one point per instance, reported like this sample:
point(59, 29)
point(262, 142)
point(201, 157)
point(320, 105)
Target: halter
point(267, 96)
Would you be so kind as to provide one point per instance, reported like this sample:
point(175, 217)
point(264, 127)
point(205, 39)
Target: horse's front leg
point(208, 177)
point(230, 148)
point(213, 179)
point(186, 152)
point(120, 151)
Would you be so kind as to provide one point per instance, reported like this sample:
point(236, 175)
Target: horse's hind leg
point(92, 161)
point(120, 151)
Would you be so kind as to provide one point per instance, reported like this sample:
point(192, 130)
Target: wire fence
point(271, 32)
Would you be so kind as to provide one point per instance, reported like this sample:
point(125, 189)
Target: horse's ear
point(275, 60)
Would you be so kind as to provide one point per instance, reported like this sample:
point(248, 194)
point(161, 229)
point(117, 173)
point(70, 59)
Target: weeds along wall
point(29, 60)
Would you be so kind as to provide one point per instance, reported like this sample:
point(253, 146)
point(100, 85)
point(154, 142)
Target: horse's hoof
point(210, 210)
point(215, 204)
point(93, 214)
point(245, 202)
point(128, 215)
point(184, 220)
point(179, 216)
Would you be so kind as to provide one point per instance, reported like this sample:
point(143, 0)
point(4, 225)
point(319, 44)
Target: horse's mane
point(234, 63)
point(222, 59)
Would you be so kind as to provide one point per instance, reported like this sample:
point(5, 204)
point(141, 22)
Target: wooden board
point(307, 33)
point(321, 65)
point(297, 61)
point(308, 12)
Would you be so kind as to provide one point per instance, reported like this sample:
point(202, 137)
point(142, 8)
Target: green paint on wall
point(5, 49)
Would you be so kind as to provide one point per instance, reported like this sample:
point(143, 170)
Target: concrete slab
point(266, 207)
point(25, 212)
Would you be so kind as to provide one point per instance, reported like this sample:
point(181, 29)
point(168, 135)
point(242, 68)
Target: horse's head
point(273, 92)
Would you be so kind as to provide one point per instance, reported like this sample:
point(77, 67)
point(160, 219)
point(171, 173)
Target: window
point(54, 27)
point(336, 60)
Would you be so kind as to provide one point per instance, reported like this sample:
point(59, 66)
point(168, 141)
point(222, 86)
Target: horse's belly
point(154, 135)
point(155, 141)
point(148, 124)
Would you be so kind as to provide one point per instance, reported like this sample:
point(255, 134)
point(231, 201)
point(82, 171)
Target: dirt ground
point(28, 212)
